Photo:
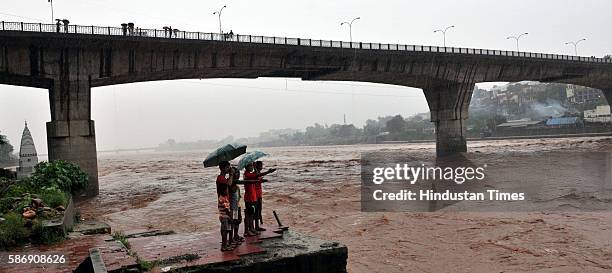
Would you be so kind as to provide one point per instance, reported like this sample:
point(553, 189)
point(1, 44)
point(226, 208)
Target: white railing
point(175, 34)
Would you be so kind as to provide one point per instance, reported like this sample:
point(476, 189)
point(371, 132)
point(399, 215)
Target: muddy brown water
point(317, 191)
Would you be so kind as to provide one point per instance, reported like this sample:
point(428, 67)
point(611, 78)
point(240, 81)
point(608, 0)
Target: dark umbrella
point(224, 153)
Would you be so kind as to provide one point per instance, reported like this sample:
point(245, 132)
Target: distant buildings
point(582, 95)
point(601, 114)
point(28, 158)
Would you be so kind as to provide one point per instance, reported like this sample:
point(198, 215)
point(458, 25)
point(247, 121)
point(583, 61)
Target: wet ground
point(317, 192)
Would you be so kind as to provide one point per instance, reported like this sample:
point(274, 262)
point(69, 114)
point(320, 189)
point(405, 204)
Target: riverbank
point(317, 192)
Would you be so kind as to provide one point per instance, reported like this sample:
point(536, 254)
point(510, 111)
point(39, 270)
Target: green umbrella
point(224, 153)
point(250, 157)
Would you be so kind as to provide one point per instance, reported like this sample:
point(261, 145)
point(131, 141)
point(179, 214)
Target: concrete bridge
point(69, 61)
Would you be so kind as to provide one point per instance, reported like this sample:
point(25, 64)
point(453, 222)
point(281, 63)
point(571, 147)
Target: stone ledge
point(292, 253)
point(272, 251)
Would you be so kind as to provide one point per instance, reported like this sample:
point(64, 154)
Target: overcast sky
point(145, 114)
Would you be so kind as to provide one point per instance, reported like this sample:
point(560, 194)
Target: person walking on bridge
point(65, 22)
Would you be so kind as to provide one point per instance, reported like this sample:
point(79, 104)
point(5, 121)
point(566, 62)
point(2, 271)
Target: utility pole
point(443, 31)
point(517, 38)
point(350, 27)
point(575, 44)
point(52, 16)
point(219, 13)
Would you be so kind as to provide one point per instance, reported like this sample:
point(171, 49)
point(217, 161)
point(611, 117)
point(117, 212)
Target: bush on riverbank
point(65, 176)
point(12, 231)
point(26, 203)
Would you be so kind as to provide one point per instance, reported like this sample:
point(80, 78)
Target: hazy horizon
point(146, 114)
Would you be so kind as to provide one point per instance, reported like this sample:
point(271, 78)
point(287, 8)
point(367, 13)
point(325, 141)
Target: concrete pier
point(449, 104)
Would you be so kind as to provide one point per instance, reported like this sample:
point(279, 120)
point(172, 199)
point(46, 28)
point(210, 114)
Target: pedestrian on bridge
point(130, 27)
point(66, 22)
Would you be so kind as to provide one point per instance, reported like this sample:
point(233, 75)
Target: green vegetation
point(120, 236)
point(53, 197)
point(143, 265)
point(3, 139)
point(65, 176)
point(41, 197)
point(13, 231)
point(388, 128)
point(41, 235)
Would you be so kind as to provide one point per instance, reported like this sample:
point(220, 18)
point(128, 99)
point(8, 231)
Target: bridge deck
point(224, 37)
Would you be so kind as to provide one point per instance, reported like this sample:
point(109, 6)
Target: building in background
point(579, 95)
point(601, 114)
point(28, 158)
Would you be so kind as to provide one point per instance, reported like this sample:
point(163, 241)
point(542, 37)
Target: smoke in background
point(550, 108)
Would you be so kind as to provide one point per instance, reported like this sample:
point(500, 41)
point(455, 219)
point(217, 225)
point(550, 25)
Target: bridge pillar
point(448, 104)
point(608, 95)
point(70, 133)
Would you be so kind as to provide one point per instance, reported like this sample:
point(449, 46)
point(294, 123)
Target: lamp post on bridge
point(443, 31)
point(350, 27)
point(52, 17)
point(219, 13)
point(517, 38)
point(575, 44)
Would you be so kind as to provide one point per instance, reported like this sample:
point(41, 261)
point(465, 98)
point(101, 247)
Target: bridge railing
point(176, 34)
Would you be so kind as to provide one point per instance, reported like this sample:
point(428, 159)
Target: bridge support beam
point(608, 94)
point(448, 104)
point(71, 134)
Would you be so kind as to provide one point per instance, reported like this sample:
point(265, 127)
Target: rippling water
point(316, 191)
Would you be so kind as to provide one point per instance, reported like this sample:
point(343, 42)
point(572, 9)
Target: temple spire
point(28, 158)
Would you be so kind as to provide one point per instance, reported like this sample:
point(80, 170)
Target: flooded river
point(317, 191)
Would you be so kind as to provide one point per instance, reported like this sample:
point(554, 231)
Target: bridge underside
point(69, 66)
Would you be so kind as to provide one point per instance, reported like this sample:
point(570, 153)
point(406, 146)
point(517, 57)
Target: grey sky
point(144, 114)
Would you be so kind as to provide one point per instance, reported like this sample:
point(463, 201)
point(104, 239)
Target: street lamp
point(517, 38)
point(575, 44)
point(350, 27)
point(219, 13)
point(52, 17)
point(444, 32)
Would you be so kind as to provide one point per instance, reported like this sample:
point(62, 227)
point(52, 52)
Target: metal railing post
point(21, 26)
point(108, 31)
point(40, 27)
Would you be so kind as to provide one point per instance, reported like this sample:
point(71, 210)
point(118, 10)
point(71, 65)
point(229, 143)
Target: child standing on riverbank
point(223, 198)
point(250, 201)
point(235, 197)
point(259, 193)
